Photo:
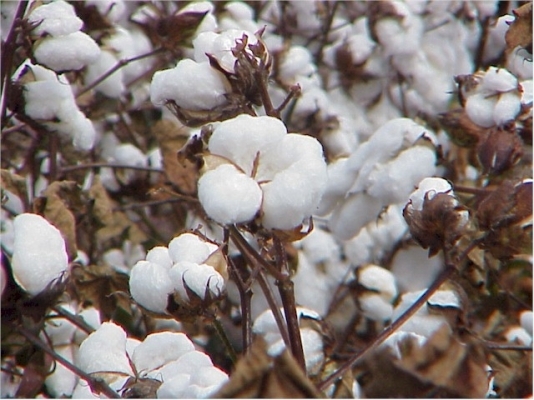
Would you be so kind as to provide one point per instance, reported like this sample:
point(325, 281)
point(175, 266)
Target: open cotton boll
point(428, 187)
point(507, 108)
point(193, 86)
point(209, 22)
point(114, 10)
point(525, 319)
point(497, 80)
point(150, 285)
point(413, 269)
point(82, 130)
point(202, 279)
point(39, 255)
point(228, 196)
point(59, 329)
point(378, 279)
point(44, 98)
point(519, 335)
point(374, 307)
point(56, 19)
point(159, 349)
point(296, 62)
point(241, 138)
point(190, 247)
point(62, 381)
point(479, 108)
point(66, 53)
point(103, 353)
point(160, 255)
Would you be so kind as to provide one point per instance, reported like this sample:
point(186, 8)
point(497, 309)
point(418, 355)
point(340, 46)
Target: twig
point(75, 319)
point(224, 338)
point(442, 278)
point(71, 168)
point(8, 51)
point(115, 68)
point(96, 384)
point(151, 203)
point(505, 346)
point(13, 129)
point(293, 91)
point(245, 296)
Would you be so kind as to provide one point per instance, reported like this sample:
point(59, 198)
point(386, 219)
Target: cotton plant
point(49, 99)
point(380, 172)
point(60, 45)
point(170, 359)
point(190, 269)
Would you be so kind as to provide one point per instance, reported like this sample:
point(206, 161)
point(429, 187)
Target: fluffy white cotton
point(201, 279)
point(353, 214)
point(296, 62)
point(159, 349)
point(518, 335)
point(60, 330)
point(241, 139)
point(104, 353)
point(228, 195)
point(189, 247)
point(113, 9)
point(191, 85)
point(413, 269)
point(219, 45)
point(378, 279)
point(62, 381)
point(150, 285)
point(526, 321)
point(113, 85)
point(160, 255)
point(56, 19)
point(39, 256)
point(68, 52)
point(428, 187)
point(374, 307)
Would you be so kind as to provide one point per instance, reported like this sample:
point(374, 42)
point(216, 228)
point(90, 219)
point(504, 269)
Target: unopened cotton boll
point(150, 285)
point(40, 255)
point(228, 195)
point(57, 18)
point(191, 85)
point(66, 53)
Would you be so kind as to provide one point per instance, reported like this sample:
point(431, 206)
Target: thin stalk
point(71, 168)
point(245, 296)
point(97, 385)
point(75, 319)
point(287, 294)
point(293, 91)
point(224, 338)
point(442, 278)
point(53, 143)
point(115, 68)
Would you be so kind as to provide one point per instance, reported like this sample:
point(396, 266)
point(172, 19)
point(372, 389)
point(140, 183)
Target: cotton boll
point(193, 86)
point(519, 62)
point(208, 376)
point(209, 22)
point(240, 139)
point(114, 10)
point(66, 53)
point(60, 330)
point(201, 279)
point(498, 80)
point(103, 353)
point(113, 85)
point(340, 180)
point(229, 196)
point(187, 363)
point(91, 316)
point(160, 255)
point(159, 349)
point(428, 187)
point(56, 19)
point(150, 285)
point(479, 109)
point(400, 36)
point(496, 42)
point(312, 288)
point(379, 280)
point(507, 108)
point(413, 269)
point(526, 321)
point(374, 307)
point(518, 335)
point(83, 131)
point(191, 248)
point(393, 182)
point(61, 383)
point(43, 98)
point(39, 256)
point(129, 44)
point(357, 210)
point(174, 388)
point(296, 62)
point(312, 345)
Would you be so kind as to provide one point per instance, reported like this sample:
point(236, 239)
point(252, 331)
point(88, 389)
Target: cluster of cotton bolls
point(354, 149)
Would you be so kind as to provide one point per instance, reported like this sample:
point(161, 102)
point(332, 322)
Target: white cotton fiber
point(56, 19)
point(39, 255)
point(113, 85)
point(201, 279)
point(160, 348)
point(104, 351)
point(160, 255)
point(150, 285)
point(69, 52)
point(229, 196)
point(193, 86)
point(190, 247)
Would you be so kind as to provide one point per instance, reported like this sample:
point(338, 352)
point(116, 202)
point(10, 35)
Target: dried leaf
point(102, 287)
point(112, 223)
point(513, 373)
point(258, 375)
point(447, 363)
point(520, 31)
point(16, 184)
point(181, 171)
point(59, 203)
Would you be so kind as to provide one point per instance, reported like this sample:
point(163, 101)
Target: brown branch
point(71, 168)
point(96, 384)
point(75, 319)
point(115, 68)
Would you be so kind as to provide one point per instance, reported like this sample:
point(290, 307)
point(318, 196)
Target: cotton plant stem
point(245, 296)
point(287, 294)
point(115, 68)
point(75, 319)
point(224, 338)
point(71, 168)
point(97, 385)
point(447, 272)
